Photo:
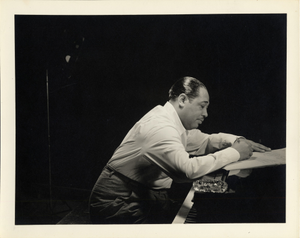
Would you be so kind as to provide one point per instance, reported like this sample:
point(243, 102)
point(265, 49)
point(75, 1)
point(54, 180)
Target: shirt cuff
point(230, 137)
point(228, 155)
point(239, 137)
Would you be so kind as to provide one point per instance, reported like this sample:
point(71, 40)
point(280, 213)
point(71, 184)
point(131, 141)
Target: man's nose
point(205, 114)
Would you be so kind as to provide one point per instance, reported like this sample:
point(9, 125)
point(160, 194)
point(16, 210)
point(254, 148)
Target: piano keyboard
point(192, 216)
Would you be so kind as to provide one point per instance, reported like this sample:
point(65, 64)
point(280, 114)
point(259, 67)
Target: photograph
point(152, 119)
point(82, 82)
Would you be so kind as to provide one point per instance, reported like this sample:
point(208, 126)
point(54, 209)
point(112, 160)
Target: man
point(133, 187)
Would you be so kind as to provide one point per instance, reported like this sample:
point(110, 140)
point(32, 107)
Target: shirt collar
point(171, 110)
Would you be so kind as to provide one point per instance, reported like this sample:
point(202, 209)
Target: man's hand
point(244, 148)
point(256, 146)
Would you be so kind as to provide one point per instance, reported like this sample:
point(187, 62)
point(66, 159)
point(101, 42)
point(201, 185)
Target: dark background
point(120, 68)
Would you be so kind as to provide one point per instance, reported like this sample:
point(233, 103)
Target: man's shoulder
point(158, 117)
point(158, 112)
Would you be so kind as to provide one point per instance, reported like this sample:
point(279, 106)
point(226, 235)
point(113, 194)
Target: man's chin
point(197, 126)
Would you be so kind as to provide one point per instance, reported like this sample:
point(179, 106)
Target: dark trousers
point(116, 199)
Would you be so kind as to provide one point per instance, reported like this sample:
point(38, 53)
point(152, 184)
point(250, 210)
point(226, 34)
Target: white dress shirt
point(157, 148)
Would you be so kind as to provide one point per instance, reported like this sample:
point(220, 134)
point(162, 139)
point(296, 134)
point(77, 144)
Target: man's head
point(190, 99)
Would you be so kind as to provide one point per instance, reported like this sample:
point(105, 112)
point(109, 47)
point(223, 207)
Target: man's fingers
point(259, 147)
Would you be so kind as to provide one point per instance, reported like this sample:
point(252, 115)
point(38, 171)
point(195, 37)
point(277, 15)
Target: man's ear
point(182, 99)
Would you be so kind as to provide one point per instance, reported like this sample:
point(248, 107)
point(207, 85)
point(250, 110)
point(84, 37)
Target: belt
point(118, 174)
point(131, 181)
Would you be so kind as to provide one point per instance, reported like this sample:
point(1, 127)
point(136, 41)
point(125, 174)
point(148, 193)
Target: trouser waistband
point(131, 181)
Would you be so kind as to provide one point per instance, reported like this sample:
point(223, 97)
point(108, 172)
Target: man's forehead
point(203, 95)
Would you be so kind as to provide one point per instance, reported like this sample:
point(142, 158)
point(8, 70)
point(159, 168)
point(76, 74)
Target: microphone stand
point(49, 142)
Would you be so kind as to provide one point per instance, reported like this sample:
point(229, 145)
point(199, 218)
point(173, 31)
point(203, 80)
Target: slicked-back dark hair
point(187, 85)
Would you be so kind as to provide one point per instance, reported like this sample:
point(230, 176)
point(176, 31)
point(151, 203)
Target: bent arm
point(201, 143)
point(171, 156)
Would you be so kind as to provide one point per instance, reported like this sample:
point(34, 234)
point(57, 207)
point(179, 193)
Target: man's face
point(195, 111)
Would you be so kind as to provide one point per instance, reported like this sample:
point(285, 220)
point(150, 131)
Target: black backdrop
point(123, 66)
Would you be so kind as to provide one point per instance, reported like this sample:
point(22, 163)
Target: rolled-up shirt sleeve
point(168, 152)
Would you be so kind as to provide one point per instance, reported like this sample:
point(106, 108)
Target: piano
point(256, 198)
